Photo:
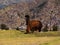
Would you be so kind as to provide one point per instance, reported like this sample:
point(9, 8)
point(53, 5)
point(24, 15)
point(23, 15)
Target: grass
point(14, 37)
point(53, 42)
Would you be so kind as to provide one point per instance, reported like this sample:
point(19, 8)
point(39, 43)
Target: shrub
point(6, 28)
point(3, 26)
point(17, 28)
point(45, 29)
point(55, 27)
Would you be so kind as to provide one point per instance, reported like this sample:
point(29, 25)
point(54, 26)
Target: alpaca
point(33, 25)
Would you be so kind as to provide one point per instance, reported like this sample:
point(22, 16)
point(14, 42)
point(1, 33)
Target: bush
point(6, 28)
point(3, 26)
point(55, 27)
point(17, 28)
point(45, 29)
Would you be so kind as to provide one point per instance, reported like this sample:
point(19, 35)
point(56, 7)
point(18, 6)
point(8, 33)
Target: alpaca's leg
point(39, 29)
point(28, 29)
point(32, 30)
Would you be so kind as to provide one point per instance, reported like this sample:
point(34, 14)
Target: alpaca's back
point(34, 23)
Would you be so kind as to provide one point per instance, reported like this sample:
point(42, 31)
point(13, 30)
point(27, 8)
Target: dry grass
point(27, 41)
point(13, 37)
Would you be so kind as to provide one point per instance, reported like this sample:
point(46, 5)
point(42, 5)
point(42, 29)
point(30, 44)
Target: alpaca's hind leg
point(32, 31)
point(39, 29)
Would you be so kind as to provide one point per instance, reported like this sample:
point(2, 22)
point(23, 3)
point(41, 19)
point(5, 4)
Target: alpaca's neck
point(27, 21)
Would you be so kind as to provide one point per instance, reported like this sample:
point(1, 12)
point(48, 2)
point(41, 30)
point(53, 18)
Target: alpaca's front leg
point(28, 29)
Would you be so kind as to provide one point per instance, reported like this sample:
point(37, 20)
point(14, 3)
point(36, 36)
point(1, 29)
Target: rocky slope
point(46, 11)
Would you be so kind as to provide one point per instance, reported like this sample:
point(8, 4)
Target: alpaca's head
point(27, 19)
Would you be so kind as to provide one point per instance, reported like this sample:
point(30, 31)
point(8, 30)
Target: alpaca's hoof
point(26, 33)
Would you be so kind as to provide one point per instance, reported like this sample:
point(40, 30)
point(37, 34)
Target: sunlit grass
point(53, 42)
point(14, 37)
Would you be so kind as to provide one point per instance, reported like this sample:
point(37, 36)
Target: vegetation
point(14, 37)
point(55, 28)
point(3, 26)
point(45, 29)
point(15, 33)
point(17, 28)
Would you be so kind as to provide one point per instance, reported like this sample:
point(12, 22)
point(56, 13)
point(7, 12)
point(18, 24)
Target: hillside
point(13, 15)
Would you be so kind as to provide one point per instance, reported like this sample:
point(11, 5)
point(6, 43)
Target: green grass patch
point(15, 33)
point(47, 34)
point(14, 37)
point(53, 42)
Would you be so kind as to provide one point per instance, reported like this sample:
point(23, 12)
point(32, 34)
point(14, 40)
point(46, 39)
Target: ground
point(14, 37)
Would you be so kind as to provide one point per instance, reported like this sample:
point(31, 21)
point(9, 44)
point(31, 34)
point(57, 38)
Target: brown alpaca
point(32, 25)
